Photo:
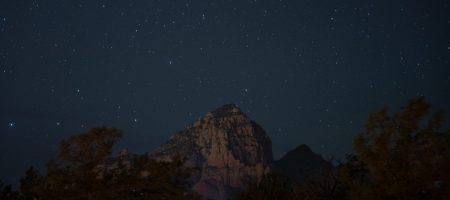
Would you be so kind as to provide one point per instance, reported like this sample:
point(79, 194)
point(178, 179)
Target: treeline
point(85, 170)
point(404, 155)
point(399, 156)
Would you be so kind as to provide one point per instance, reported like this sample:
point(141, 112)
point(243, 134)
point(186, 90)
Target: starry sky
point(308, 71)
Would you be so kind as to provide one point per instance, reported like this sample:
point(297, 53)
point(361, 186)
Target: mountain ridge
point(229, 149)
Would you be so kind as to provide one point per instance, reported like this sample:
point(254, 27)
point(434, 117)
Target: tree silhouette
point(75, 174)
point(150, 179)
point(327, 186)
point(6, 192)
point(401, 157)
point(29, 183)
point(86, 170)
point(270, 187)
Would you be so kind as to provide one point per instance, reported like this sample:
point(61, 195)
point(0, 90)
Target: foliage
point(90, 149)
point(150, 179)
point(328, 186)
point(29, 183)
point(86, 170)
point(6, 192)
point(275, 187)
point(270, 187)
point(401, 157)
point(74, 175)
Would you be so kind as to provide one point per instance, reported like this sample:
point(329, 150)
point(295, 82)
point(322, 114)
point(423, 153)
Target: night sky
point(308, 71)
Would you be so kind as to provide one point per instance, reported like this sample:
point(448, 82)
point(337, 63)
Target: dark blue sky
point(308, 71)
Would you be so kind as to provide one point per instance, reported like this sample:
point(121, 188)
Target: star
point(11, 124)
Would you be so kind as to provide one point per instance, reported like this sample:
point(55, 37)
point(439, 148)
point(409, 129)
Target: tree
point(270, 187)
point(75, 174)
point(6, 192)
point(90, 149)
point(151, 179)
point(401, 157)
point(85, 169)
point(326, 186)
point(29, 183)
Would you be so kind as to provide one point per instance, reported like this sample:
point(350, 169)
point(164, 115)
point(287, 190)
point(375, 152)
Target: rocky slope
point(227, 147)
point(301, 164)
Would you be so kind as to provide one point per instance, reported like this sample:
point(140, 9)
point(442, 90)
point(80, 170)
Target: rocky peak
point(227, 110)
point(301, 164)
point(226, 117)
point(300, 152)
point(229, 149)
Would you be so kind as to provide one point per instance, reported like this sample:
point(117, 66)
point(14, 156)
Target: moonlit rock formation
point(227, 147)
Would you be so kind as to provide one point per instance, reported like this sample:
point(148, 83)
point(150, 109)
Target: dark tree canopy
point(270, 187)
point(7, 193)
point(402, 156)
point(405, 155)
point(86, 170)
point(89, 149)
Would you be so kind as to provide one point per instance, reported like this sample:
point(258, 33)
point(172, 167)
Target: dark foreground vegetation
point(85, 170)
point(405, 155)
point(402, 156)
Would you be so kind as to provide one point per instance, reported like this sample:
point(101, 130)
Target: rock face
point(301, 164)
point(227, 147)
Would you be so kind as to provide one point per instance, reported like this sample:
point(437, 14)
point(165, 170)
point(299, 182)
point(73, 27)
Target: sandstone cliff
point(227, 147)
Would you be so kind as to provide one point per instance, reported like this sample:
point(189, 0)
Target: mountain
point(228, 149)
point(301, 164)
